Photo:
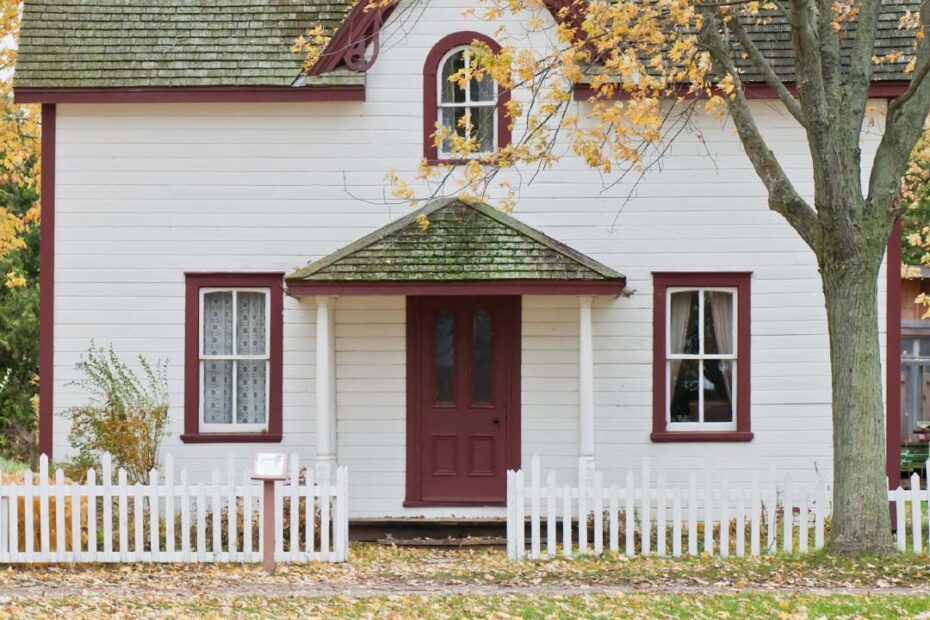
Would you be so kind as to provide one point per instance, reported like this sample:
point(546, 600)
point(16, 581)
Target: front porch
point(447, 350)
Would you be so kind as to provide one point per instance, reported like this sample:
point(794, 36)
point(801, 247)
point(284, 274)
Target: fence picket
point(582, 506)
point(201, 524)
point(756, 517)
point(185, 518)
point(692, 514)
point(534, 509)
point(169, 509)
point(645, 535)
point(247, 530)
point(13, 520)
point(324, 519)
point(803, 526)
point(75, 554)
point(567, 521)
point(916, 520)
point(660, 515)
point(630, 516)
point(598, 513)
point(740, 526)
point(123, 508)
point(708, 512)
point(724, 520)
point(45, 553)
point(154, 527)
point(676, 522)
point(59, 515)
point(91, 516)
point(613, 518)
point(787, 521)
point(551, 533)
point(820, 516)
point(521, 515)
point(106, 474)
point(28, 528)
point(138, 512)
point(293, 488)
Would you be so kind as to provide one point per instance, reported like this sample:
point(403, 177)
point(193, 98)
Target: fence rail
point(170, 519)
point(650, 516)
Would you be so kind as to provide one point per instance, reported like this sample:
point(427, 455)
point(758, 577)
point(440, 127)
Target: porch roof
point(464, 249)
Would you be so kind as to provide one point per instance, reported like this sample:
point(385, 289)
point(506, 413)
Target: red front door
point(463, 400)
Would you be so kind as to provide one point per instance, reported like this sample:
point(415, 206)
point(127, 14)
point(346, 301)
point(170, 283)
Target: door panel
point(463, 398)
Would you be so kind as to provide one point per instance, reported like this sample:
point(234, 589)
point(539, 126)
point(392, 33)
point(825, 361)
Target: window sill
point(698, 436)
point(231, 438)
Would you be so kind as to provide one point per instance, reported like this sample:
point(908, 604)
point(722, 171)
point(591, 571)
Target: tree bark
point(860, 506)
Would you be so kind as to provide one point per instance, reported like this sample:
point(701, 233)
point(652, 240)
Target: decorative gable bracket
point(349, 45)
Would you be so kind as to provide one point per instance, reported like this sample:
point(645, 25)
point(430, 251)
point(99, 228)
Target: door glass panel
point(481, 357)
point(445, 338)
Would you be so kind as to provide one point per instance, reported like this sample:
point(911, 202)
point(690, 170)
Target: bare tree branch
point(765, 68)
point(783, 197)
point(859, 77)
point(808, 69)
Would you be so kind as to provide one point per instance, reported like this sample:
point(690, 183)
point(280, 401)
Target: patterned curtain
point(217, 374)
point(251, 375)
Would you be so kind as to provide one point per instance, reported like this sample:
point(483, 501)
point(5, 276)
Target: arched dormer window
point(477, 111)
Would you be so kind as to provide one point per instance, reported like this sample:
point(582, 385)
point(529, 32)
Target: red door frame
point(415, 421)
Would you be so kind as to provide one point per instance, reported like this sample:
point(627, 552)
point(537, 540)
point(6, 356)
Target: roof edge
point(191, 94)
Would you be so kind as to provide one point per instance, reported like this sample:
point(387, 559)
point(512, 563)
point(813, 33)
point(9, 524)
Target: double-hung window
point(233, 357)
point(234, 360)
point(701, 356)
point(466, 112)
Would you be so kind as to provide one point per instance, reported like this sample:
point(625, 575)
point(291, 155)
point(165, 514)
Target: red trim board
point(216, 94)
point(47, 283)
point(742, 282)
point(298, 288)
point(193, 283)
point(893, 357)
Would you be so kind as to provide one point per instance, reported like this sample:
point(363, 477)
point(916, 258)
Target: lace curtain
point(248, 339)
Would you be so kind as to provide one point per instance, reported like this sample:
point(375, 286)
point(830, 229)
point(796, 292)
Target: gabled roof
point(169, 43)
point(462, 243)
point(102, 44)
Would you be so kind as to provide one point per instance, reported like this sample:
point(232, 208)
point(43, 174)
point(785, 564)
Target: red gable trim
point(757, 90)
point(350, 41)
point(47, 283)
point(215, 94)
point(297, 288)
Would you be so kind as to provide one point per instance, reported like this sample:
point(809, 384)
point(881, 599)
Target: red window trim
point(193, 283)
point(741, 281)
point(430, 103)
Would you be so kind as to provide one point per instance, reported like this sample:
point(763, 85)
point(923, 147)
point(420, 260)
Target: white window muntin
point(700, 356)
point(235, 426)
point(468, 103)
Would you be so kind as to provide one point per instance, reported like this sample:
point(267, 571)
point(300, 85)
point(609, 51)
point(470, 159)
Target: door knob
point(496, 420)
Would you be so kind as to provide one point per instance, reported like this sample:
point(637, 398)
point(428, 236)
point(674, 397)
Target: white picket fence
point(713, 517)
point(909, 503)
point(170, 519)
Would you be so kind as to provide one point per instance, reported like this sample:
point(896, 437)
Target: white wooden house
point(204, 204)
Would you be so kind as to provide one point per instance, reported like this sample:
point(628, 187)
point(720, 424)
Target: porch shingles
point(461, 242)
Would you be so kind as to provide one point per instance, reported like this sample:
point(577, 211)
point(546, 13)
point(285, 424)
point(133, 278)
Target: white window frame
point(701, 425)
point(440, 105)
point(235, 426)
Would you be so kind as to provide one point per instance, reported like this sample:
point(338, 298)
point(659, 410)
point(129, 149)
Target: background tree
point(653, 64)
point(19, 253)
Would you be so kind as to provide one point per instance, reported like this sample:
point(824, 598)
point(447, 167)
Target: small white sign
point(270, 466)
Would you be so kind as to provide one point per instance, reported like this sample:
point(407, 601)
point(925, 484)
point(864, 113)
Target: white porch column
point(586, 383)
point(325, 388)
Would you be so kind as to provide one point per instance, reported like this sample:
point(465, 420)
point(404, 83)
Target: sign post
point(269, 467)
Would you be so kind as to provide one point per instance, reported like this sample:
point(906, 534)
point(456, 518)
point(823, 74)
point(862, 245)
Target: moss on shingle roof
point(462, 243)
point(168, 43)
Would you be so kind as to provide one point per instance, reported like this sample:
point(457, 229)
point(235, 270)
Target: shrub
point(127, 414)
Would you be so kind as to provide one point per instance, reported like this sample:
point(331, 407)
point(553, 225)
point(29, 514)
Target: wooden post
point(586, 386)
point(268, 525)
point(325, 389)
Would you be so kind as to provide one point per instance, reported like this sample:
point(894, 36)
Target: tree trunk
point(860, 508)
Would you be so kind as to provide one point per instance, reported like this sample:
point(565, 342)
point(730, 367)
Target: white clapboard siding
point(715, 515)
point(139, 522)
